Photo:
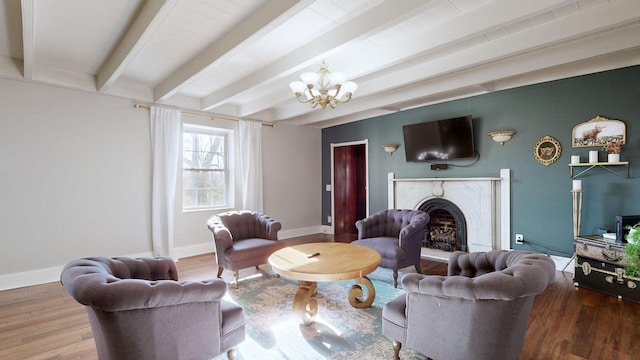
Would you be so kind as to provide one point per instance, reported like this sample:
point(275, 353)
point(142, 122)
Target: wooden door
point(349, 190)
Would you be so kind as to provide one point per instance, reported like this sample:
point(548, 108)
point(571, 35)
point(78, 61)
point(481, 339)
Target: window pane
point(203, 151)
point(204, 175)
point(204, 188)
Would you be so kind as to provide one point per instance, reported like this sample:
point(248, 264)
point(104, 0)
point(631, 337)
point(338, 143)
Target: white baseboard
point(32, 277)
point(327, 229)
point(52, 274)
point(193, 250)
point(562, 262)
point(40, 276)
point(286, 234)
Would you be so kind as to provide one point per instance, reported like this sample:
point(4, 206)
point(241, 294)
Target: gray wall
point(541, 198)
point(75, 181)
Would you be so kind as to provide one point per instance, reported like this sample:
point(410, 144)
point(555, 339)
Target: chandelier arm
point(338, 101)
point(301, 99)
point(313, 100)
point(309, 92)
point(348, 97)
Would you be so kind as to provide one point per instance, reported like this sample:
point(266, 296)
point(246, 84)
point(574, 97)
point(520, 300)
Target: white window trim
point(229, 165)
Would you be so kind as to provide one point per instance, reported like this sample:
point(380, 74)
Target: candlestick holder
point(576, 195)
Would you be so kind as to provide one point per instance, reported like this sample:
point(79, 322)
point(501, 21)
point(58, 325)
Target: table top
point(336, 261)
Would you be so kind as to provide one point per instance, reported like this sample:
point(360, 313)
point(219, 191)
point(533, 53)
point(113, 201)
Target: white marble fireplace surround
point(484, 202)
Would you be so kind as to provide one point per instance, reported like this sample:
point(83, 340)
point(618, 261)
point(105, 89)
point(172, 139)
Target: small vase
point(613, 157)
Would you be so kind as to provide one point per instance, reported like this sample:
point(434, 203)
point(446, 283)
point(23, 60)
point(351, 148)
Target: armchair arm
point(414, 231)
point(369, 227)
point(221, 235)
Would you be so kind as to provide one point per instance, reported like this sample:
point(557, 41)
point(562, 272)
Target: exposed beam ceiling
point(236, 58)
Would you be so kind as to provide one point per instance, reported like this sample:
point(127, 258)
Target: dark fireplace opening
point(447, 228)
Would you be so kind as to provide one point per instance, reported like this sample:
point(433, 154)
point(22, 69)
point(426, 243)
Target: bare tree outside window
point(205, 169)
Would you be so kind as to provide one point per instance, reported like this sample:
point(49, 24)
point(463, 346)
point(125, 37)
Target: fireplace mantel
point(484, 201)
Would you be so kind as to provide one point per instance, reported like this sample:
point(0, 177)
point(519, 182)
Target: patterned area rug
point(340, 331)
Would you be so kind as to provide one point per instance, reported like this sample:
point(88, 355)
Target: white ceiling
point(236, 57)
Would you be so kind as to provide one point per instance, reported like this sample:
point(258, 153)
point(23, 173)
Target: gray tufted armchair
point(479, 311)
point(243, 239)
point(138, 310)
point(397, 235)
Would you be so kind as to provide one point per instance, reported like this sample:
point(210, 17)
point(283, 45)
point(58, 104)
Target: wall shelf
point(609, 166)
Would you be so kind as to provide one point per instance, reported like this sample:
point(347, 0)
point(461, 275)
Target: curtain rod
point(212, 117)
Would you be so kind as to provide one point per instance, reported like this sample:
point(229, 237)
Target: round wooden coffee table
point(326, 261)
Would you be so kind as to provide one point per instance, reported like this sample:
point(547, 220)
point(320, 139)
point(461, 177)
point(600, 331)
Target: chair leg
point(231, 354)
point(396, 350)
point(418, 269)
point(236, 275)
point(395, 278)
point(220, 270)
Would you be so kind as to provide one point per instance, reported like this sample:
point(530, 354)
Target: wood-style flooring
point(44, 322)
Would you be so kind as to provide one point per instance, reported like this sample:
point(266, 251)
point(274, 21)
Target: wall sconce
point(390, 148)
point(502, 136)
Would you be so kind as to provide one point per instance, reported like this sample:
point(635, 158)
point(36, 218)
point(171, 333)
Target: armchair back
point(397, 223)
point(242, 225)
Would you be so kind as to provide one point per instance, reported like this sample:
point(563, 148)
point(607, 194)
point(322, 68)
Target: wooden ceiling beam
point(152, 15)
point(269, 15)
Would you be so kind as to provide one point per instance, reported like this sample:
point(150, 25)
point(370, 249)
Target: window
point(206, 155)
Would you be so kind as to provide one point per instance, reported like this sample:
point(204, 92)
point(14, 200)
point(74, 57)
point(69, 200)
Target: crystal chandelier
point(323, 88)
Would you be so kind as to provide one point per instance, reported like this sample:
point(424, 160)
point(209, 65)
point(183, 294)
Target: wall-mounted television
point(439, 140)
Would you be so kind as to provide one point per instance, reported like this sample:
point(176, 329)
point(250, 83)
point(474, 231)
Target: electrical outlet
point(519, 239)
point(329, 219)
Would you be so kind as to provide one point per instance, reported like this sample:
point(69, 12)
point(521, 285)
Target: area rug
point(340, 331)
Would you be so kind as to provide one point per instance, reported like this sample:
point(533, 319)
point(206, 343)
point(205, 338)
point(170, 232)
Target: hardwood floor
point(44, 322)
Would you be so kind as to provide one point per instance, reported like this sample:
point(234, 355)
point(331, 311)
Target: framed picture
point(547, 150)
point(598, 131)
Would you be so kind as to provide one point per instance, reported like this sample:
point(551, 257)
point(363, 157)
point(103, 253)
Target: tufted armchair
point(397, 235)
point(138, 310)
point(479, 311)
point(243, 239)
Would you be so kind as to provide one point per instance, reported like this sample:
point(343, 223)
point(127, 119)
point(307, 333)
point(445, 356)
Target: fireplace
point(447, 230)
point(479, 206)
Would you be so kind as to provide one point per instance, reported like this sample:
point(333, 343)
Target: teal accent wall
point(540, 195)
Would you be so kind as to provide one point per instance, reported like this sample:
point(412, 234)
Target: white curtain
point(251, 164)
point(166, 131)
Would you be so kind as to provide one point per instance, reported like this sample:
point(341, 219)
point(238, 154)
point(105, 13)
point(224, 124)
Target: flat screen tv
point(439, 140)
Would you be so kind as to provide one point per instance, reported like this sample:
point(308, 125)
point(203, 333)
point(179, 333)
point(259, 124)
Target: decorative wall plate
point(547, 150)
